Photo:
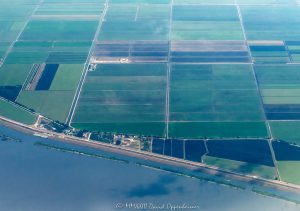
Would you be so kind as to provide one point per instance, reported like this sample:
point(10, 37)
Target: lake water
point(36, 178)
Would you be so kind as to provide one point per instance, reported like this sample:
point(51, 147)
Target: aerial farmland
point(209, 81)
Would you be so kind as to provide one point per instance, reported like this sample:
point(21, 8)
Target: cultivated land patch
point(288, 131)
point(190, 22)
point(124, 98)
point(288, 157)
point(53, 100)
point(246, 156)
point(16, 113)
point(136, 22)
point(215, 101)
point(279, 86)
point(271, 22)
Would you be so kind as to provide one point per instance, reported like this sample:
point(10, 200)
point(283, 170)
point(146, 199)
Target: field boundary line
point(86, 66)
point(169, 66)
point(260, 95)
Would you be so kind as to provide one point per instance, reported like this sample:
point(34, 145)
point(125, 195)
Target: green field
point(55, 102)
point(286, 130)
point(15, 113)
point(75, 10)
point(124, 98)
point(215, 101)
point(206, 23)
point(136, 22)
point(242, 167)
point(13, 74)
point(56, 52)
point(279, 86)
point(52, 30)
point(271, 23)
point(289, 171)
point(71, 72)
point(288, 159)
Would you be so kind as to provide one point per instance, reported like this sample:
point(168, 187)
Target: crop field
point(206, 23)
point(134, 51)
point(16, 113)
point(245, 156)
point(288, 131)
point(242, 167)
point(271, 22)
point(188, 51)
point(55, 96)
point(211, 81)
point(131, 98)
point(214, 101)
point(280, 89)
point(288, 157)
point(136, 22)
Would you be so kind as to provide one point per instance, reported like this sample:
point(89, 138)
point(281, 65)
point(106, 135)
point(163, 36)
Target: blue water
point(35, 178)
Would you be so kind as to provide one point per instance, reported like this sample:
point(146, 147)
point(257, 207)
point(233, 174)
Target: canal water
point(34, 177)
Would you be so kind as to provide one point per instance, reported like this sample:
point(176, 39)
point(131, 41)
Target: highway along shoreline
point(52, 140)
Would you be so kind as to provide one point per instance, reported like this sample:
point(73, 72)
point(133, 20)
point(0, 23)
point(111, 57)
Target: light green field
point(136, 22)
point(14, 74)
point(53, 104)
point(14, 112)
point(57, 52)
point(124, 98)
point(51, 30)
point(241, 167)
point(3, 48)
point(67, 77)
point(10, 29)
point(139, 30)
point(218, 129)
point(287, 131)
point(56, 102)
point(74, 9)
point(271, 23)
point(289, 171)
point(140, 128)
point(279, 84)
point(215, 101)
point(206, 23)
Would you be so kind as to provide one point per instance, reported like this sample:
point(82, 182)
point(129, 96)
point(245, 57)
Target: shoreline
point(188, 168)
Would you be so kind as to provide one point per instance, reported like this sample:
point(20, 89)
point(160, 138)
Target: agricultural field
point(214, 101)
point(279, 86)
point(16, 113)
point(288, 157)
point(190, 22)
point(136, 22)
point(211, 81)
point(271, 22)
point(244, 156)
point(52, 96)
point(288, 131)
point(124, 98)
